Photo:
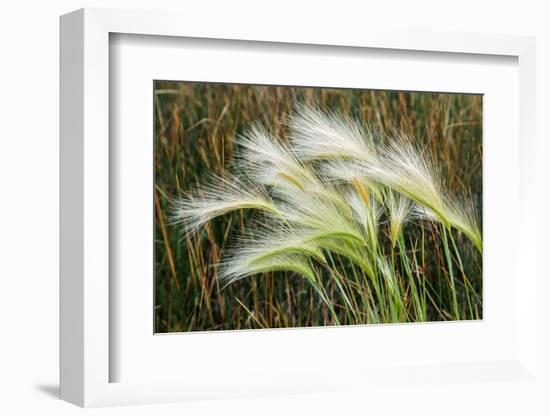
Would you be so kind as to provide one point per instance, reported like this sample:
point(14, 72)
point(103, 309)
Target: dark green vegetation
point(438, 272)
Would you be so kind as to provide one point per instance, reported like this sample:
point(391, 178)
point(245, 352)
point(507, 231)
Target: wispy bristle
point(245, 264)
point(216, 197)
point(327, 136)
point(270, 162)
point(400, 211)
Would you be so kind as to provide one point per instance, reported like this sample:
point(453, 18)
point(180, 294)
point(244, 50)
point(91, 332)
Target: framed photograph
point(332, 198)
point(278, 213)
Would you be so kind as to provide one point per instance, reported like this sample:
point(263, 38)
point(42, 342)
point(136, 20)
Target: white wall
point(29, 185)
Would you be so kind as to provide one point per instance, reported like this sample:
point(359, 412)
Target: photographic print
point(292, 207)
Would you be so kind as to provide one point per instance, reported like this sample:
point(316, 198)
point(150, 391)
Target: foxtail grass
point(330, 206)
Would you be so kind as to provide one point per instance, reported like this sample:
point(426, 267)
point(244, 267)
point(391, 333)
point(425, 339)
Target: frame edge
point(71, 219)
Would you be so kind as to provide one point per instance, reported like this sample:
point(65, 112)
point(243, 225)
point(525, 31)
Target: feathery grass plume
point(412, 172)
point(320, 135)
point(367, 212)
point(462, 216)
point(360, 159)
point(344, 171)
point(270, 238)
point(321, 215)
point(243, 264)
point(400, 211)
point(270, 245)
point(216, 197)
point(361, 210)
point(387, 273)
point(405, 169)
point(270, 162)
point(273, 164)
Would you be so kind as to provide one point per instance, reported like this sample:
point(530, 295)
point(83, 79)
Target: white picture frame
point(86, 353)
